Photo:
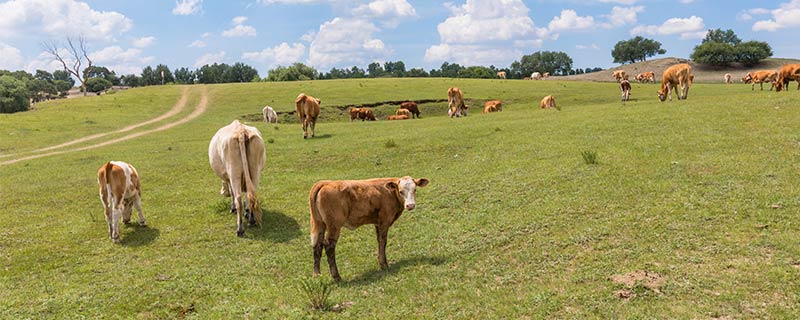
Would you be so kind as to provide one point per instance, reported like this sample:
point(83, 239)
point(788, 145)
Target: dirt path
point(199, 109)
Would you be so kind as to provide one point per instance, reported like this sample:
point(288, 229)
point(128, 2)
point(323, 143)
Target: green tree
point(167, 78)
point(395, 69)
point(417, 73)
point(149, 77)
point(184, 76)
point(13, 95)
point(714, 53)
point(477, 72)
point(101, 72)
point(239, 72)
point(751, 53)
point(130, 80)
point(97, 85)
point(719, 36)
point(375, 70)
point(636, 49)
point(556, 63)
point(64, 76)
point(295, 72)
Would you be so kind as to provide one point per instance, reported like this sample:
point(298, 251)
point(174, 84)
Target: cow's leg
point(126, 211)
point(138, 204)
point(313, 124)
point(331, 236)
point(305, 128)
point(317, 236)
point(108, 212)
point(116, 214)
point(762, 85)
point(382, 232)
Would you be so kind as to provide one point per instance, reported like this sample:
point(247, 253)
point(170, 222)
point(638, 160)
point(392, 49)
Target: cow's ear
point(391, 185)
point(421, 182)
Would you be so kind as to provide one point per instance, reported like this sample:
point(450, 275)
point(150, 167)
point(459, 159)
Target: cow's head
point(406, 190)
point(662, 95)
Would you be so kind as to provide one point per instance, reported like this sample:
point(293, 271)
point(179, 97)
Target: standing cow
point(788, 73)
point(353, 203)
point(625, 87)
point(455, 103)
point(307, 108)
point(120, 191)
point(411, 106)
point(269, 115)
point(237, 156)
point(679, 75)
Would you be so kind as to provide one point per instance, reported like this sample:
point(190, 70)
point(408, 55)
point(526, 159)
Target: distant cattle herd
point(237, 156)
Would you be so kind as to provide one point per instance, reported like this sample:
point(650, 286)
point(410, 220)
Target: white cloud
point(346, 40)
point(239, 29)
point(687, 28)
point(44, 61)
point(747, 15)
point(469, 54)
point(144, 42)
point(585, 47)
point(57, 18)
point(210, 58)
point(570, 20)
point(621, 16)
point(268, 2)
point(122, 61)
point(686, 1)
point(10, 57)
point(389, 12)
point(787, 15)
point(282, 54)
point(198, 44)
point(628, 2)
point(187, 7)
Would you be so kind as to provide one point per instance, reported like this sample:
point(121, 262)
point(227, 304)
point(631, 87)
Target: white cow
point(269, 115)
point(120, 191)
point(237, 156)
point(536, 76)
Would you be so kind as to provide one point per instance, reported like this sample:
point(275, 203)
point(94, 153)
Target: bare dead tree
point(78, 56)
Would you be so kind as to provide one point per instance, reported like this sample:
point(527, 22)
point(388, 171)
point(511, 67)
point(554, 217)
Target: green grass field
point(514, 224)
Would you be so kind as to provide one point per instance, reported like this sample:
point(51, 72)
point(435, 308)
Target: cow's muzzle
point(410, 206)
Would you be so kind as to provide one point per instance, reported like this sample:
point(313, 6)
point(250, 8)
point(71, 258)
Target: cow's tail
point(252, 196)
point(316, 222)
point(106, 175)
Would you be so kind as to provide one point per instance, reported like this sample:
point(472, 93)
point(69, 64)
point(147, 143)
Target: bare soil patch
point(633, 282)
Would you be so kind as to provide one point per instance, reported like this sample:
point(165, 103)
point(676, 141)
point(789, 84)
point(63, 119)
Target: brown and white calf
point(548, 102)
point(625, 87)
point(455, 103)
point(120, 191)
point(236, 154)
point(269, 115)
point(353, 203)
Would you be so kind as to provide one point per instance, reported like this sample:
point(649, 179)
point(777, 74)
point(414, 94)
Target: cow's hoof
point(240, 234)
point(142, 223)
point(115, 240)
point(126, 221)
point(337, 278)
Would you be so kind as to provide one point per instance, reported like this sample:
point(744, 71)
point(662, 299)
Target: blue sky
point(129, 35)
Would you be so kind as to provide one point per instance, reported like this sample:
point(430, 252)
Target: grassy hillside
point(702, 194)
point(702, 73)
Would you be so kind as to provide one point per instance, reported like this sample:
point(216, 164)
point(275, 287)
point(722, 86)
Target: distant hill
point(702, 73)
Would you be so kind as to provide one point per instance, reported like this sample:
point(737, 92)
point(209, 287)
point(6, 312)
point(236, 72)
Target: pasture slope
point(702, 73)
point(702, 194)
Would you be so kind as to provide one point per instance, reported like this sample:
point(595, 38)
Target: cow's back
point(352, 203)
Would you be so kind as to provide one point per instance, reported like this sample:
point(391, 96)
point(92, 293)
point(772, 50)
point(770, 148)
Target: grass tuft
point(317, 292)
point(390, 143)
point(589, 156)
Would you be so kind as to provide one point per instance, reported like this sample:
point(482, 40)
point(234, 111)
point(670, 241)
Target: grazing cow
point(307, 108)
point(353, 203)
point(120, 191)
point(397, 117)
point(403, 112)
point(620, 75)
point(728, 78)
point(269, 115)
point(760, 77)
point(354, 113)
point(545, 75)
point(649, 76)
point(411, 106)
point(536, 76)
point(366, 114)
point(548, 102)
point(455, 102)
point(788, 73)
point(492, 106)
point(625, 87)
point(679, 75)
point(236, 154)
point(501, 74)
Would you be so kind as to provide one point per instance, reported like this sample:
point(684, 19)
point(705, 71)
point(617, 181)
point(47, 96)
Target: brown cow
point(397, 117)
point(788, 73)
point(545, 75)
point(455, 101)
point(237, 156)
point(728, 78)
point(625, 87)
point(619, 75)
point(366, 114)
point(760, 77)
point(353, 203)
point(501, 74)
point(492, 106)
point(403, 112)
point(649, 76)
point(307, 108)
point(549, 102)
point(679, 75)
point(354, 113)
point(120, 191)
point(411, 106)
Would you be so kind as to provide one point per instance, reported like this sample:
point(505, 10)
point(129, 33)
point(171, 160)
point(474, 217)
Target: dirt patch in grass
point(638, 282)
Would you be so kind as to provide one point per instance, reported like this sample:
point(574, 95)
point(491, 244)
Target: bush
point(714, 53)
point(13, 95)
point(97, 85)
